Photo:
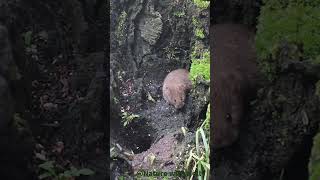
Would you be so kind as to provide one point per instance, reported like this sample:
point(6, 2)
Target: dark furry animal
point(234, 72)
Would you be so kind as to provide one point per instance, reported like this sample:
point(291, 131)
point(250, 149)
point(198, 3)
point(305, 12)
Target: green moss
point(201, 3)
point(200, 66)
point(199, 33)
point(293, 21)
point(195, 22)
point(314, 163)
point(200, 56)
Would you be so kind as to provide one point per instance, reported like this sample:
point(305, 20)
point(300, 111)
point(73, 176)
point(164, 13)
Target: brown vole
point(234, 73)
point(175, 86)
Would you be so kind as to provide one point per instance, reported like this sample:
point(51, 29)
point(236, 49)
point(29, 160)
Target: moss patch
point(200, 56)
point(199, 33)
point(293, 21)
point(202, 4)
point(200, 67)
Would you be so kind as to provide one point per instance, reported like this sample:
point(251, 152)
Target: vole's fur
point(234, 72)
point(175, 86)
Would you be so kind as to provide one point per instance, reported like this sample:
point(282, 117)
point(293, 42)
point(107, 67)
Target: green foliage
point(200, 159)
point(195, 22)
point(314, 163)
point(206, 124)
point(51, 171)
point(199, 33)
point(200, 57)
point(128, 118)
point(200, 66)
point(293, 21)
point(202, 4)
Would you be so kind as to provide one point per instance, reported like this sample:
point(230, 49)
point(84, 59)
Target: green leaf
point(206, 165)
point(66, 174)
point(204, 140)
point(74, 171)
point(48, 165)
